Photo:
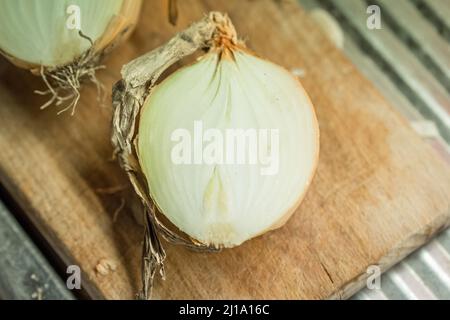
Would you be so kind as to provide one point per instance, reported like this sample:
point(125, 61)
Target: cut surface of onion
point(214, 194)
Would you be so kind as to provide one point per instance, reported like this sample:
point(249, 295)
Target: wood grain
point(379, 192)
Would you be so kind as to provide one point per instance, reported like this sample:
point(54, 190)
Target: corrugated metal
point(425, 274)
point(24, 271)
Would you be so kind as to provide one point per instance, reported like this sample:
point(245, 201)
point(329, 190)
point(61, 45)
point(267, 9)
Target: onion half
point(171, 140)
point(231, 91)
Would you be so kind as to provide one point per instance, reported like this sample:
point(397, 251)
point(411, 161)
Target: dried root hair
point(63, 83)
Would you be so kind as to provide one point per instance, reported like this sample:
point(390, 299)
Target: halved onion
point(229, 90)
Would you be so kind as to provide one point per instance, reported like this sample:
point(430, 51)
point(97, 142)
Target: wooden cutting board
point(378, 194)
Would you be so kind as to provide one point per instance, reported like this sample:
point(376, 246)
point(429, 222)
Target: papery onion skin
point(245, 204)
point(108, 23)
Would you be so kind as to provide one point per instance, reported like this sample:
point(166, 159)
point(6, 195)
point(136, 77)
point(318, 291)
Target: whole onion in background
point(63, 41)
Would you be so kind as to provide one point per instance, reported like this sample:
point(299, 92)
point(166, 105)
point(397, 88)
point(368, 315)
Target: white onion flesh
point(35, 31)
point(228, 203)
